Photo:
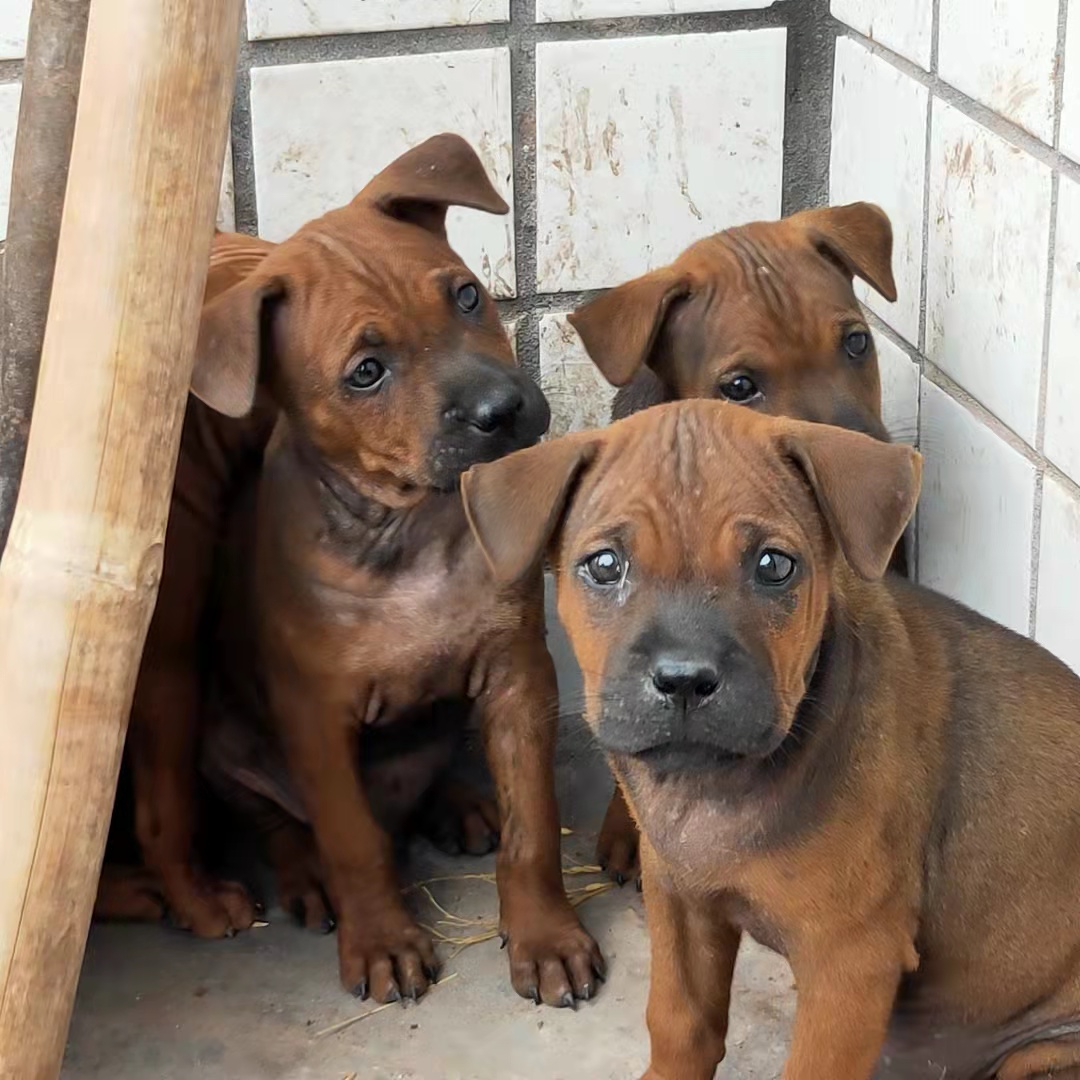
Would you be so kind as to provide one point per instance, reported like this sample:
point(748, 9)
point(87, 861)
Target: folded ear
point(441, 172)
point(619, 328)
point(858, 237)
point(230, 346)
point(514, 505)
point(866, 489)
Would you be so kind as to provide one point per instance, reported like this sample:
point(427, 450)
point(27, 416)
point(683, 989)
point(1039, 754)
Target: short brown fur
point(906, 827)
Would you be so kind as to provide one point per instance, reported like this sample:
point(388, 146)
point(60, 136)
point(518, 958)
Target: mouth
point(684, 756)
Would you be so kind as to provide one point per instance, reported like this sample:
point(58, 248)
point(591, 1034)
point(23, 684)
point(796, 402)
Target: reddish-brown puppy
point(370, 632)
point(217, 455)
point(763, 315)
point(861, 774)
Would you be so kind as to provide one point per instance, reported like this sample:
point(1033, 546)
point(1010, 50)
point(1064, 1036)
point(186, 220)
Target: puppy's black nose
point(496, 408)
point(685, 679)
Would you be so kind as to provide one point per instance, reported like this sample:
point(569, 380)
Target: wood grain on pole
point(50, 92)
point(79, 575)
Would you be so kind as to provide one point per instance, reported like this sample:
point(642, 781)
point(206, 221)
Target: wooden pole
point(50, 92)
point(79, 575)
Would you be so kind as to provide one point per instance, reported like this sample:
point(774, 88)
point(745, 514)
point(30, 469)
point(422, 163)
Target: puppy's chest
point(411, 638)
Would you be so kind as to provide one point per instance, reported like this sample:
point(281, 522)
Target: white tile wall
point(573, 10)
point(9, 122)
point(1057, 625)
point(1070, 113)
point(647, 144)
point(317, 139)
point(14, 18)
point(580, 397)
point(905, 26)
point(899, 390)
point(300, 18)
point(882, 162)
point(986, 273)
point(975, 512)
point(1062, 439)
point(1002, 53)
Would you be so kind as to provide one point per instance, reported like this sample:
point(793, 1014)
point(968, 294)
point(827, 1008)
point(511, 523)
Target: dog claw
point(534, 993)
point(504, 939)
point(360, 990)
point(567, 1001)
point(327, 926)
point(637, 884)
point(394, 995)
point(586, 992)
point(432, 974)
point(620, 879)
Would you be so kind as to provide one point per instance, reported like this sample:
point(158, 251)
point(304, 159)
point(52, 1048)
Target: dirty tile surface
point(645, 145)
point(899, 390)
point(906, 27)
point(986, 275)
point(9, 122)
point(298, 18)
point(975, 512)
point(1056, 625)
point(1002, 53)
point(579, 395)
point(153, 1003)
point(883, 163)
point(569, 10)
point(14, 18)
point(317, 141)
point(1062, 437)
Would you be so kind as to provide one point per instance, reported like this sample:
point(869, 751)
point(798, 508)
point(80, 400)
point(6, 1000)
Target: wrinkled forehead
point(769, 273)
point(683, 490)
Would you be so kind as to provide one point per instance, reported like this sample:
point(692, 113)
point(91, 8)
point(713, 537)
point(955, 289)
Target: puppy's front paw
point(617, 845)
point(209, 908)
point(386, 957)
point(552, 958)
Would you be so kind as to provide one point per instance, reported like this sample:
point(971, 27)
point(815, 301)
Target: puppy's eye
point(468, 297)
point(856, 343)
point(366, 375)
point(740, 389)
point(604, 568)
point(774, 568)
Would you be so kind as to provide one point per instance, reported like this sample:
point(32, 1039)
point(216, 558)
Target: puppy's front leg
point(693, 960)
point(381, 950)
point(552, 958)
point(846, 990)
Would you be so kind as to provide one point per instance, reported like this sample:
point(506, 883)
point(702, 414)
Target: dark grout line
point(245, 202)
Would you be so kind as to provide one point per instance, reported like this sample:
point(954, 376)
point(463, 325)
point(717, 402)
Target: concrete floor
point(156, 1003)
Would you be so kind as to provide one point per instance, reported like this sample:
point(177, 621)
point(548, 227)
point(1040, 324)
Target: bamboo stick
point(79, 575)
point(50, 92)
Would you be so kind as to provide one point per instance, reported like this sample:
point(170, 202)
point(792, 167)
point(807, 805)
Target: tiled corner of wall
point(994, 317)
point(976, 489)
point(636, 156)
point(899, 390)
point(580, 396)
point(882, 163)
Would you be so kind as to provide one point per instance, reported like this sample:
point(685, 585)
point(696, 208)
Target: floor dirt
point(155, 1004)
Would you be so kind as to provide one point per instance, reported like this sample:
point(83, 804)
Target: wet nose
point(684, 679)
point(495, 408)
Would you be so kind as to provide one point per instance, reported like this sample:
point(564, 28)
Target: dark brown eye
point(604, 568)
point(366, 375)
point(856, 343)
point(739, 389)
point(774, 568)
point(468, 297)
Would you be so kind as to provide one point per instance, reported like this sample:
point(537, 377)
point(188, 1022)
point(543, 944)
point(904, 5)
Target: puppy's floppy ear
point(441, 172)
point(619, 328)
point(857, 236)
point(866, 489)
point(230, 348)
point(514, 505)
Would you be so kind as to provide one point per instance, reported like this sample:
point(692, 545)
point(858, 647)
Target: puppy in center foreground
point(862, 775)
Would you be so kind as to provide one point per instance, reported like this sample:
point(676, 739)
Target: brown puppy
point(217, 455)
point(865, 776)
point(765, 316)
point(369, 632)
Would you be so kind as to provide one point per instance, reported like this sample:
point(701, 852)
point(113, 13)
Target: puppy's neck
point(371, 527)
